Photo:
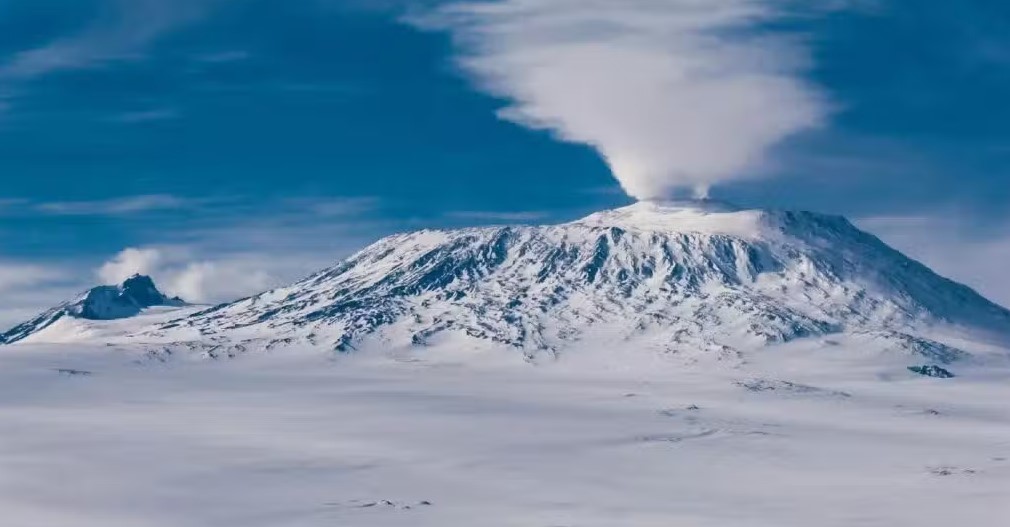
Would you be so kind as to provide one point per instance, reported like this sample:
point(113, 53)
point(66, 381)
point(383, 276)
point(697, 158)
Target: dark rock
point(931, 370)
point(72, 372)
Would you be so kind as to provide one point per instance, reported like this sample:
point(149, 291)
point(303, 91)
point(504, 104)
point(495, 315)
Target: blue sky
point(238, 144)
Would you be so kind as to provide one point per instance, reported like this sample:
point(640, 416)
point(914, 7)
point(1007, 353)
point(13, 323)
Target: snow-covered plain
point(656, 365)
point(804, 434)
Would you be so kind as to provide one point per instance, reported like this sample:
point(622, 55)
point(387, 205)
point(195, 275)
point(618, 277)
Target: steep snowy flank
point(695, 277)
point(100, 303)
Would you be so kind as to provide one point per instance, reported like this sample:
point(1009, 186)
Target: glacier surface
point(662, 364)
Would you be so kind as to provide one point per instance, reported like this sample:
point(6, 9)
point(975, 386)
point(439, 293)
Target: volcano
point(694, 278)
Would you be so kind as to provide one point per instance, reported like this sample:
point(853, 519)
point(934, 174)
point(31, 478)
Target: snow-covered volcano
point(103, 303)
point(696, 278)
point(830, 397)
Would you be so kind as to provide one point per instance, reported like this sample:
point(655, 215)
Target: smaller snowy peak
point(123, 301)
point(107, 302)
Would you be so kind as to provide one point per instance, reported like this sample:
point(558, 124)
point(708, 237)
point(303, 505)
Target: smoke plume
point(674, 94)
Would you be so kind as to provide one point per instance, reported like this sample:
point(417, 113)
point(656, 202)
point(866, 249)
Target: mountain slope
point(101, 303)
point(698, 278)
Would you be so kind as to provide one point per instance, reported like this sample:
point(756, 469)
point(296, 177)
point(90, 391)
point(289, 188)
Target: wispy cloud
point(14, 275)
point(224, 209)
point(10, 203)
point(223, 57)
point(147, 116)
point(116, 206)
point(27, 288)
point(332, 207)
point(122, 31)
point(494, 216)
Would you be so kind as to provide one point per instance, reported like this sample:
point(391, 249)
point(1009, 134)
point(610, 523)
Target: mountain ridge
point(724, 280)
point(677, 278)
point(104, 302)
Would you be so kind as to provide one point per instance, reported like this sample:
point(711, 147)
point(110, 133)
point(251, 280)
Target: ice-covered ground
point(793, 437)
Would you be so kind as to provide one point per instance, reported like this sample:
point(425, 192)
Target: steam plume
point(674, 94)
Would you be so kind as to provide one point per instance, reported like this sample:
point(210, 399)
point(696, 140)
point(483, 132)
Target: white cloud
point(227, 252)
point(130, 262)
point(952, 246)
point(219, 259)
point(674, 94)
point(179, 271)
point(221, 281)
